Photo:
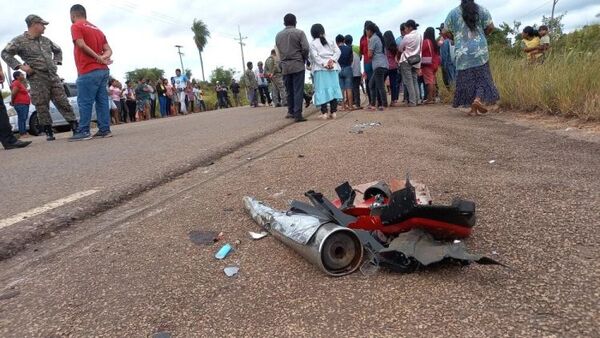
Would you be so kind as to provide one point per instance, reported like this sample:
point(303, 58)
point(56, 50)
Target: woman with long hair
point(531, 39)
point(324, 55)
point(391, 51)
point(468, 25)
point(430, 62)
point(380, 67)
point(367, 65)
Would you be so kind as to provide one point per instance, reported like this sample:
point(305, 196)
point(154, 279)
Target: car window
point(70, 89)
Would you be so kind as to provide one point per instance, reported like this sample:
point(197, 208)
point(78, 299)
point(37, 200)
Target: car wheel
point(34, 125)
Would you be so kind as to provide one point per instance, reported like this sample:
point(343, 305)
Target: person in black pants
point(7, 138)
point(293, 51)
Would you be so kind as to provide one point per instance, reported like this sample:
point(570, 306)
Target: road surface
point(133, 271)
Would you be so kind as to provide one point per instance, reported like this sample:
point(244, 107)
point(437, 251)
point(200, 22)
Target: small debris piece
point(492, 161)
point(300, 156)
point(256, 236)
point(359, 128)
point(224, 251)
point(9, 294)
point(231, 271)
point(569, 129)
point(219, 237)
point(162, 334)
point(202, 237)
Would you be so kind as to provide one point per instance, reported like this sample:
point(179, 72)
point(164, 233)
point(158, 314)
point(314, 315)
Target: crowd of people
point(390, 64)
point(387, 65)
point(147, 99)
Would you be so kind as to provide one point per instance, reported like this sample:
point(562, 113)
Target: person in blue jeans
point(92, 57)
point(20, 101)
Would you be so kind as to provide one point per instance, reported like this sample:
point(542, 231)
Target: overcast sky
point(144, 33)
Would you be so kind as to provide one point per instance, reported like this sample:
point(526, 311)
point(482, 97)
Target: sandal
point(478, 108)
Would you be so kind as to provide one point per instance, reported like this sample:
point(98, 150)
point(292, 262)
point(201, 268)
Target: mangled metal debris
point(360, 127)
point(336, 250)
point(398, 226)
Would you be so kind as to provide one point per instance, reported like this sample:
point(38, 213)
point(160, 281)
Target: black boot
point(74, 127)
point(49, 133)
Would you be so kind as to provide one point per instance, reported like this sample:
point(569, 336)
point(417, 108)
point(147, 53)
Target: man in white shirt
point(181, 82)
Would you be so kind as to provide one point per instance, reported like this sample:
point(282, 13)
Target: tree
point(152, 74)
point(201, 35)
point(555, 25)
point(222, 75)
point(188, 73)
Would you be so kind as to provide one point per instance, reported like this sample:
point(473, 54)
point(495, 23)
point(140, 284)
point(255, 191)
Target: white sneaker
point(324, 116)
point(333, 116)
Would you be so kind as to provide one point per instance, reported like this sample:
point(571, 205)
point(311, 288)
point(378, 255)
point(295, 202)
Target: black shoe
point(17, 144)
point(49, 133)
point(288, 116)
point(74, 127)
point(278, 105)
point(102, 134)
point(300, 119)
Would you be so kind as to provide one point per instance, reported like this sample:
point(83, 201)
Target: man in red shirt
point(92, 57)
point(20, 101)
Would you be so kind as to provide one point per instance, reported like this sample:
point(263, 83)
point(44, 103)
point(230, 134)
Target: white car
point(58, 121)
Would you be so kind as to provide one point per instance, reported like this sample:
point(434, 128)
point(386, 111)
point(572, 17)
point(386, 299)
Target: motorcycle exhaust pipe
point(335, 250)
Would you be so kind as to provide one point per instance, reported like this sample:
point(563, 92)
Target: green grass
point(566, 84)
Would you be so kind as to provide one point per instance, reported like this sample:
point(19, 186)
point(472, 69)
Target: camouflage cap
point(32, 18)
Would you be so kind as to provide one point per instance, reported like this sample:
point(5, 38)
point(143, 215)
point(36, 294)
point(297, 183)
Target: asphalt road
point(133, 271)
point(104, 171)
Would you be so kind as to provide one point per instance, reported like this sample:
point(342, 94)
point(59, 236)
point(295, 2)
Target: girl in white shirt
point(324, 55)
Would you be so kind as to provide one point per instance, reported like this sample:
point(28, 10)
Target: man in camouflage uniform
point(40, 57)
point(273, 72)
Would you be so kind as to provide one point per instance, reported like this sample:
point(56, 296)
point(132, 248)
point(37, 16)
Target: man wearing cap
point(273, 72)
point(40, 57)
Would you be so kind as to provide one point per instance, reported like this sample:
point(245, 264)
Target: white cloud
point(143, 33)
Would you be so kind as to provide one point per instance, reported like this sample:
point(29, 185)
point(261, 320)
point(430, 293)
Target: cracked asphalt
point(133, 270)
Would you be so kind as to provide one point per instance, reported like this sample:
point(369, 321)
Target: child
point(544, 40)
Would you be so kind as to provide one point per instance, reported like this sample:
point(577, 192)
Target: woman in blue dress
point(324, 55)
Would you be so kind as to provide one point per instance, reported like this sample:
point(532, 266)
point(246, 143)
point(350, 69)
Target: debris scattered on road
point(334, 249)
point(492, 161)
point(258, 235)
point(569, 129)
point(203, 237)
point(395, 227)
point(300, 156)
point(231, 271)
point(224, 251)
point(279, 194)
point(9, 294)
point(359, 128)
point(219, 237)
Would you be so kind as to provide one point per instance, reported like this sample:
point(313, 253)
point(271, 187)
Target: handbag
point(428, 60)
point(413, 59)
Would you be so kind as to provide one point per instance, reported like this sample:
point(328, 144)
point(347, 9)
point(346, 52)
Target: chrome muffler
point(334, 249)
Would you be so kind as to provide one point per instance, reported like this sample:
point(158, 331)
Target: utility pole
point(180, 59)
point(554, 2)
point(240, 40)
